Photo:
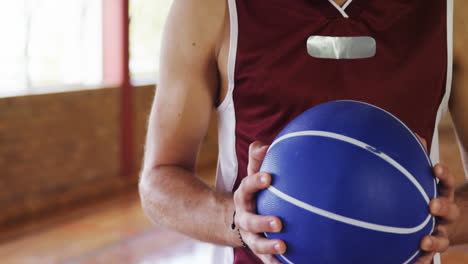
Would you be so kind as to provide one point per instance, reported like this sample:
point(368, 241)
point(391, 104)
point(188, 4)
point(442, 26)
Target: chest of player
point(276, 78)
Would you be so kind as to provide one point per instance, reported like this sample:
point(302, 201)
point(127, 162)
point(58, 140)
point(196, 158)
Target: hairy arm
point(459, 110)
point(172, 195)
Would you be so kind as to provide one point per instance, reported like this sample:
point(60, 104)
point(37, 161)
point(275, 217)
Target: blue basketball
point(351, 184)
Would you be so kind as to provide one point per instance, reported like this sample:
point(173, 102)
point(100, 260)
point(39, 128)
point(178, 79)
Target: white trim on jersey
point(444, 103)
point(226, 173)
point(227, 158)
point(341, 9)
point(448, 87)
point(346, 4)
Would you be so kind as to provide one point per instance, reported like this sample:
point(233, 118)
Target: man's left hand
point(446, 212)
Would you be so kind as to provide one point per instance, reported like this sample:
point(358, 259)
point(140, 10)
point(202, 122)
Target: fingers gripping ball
point(351, 184)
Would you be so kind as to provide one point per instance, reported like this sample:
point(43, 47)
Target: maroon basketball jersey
point(287, 56)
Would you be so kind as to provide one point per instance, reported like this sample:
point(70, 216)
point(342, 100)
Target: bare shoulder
point(192, 33)
point(198, 20)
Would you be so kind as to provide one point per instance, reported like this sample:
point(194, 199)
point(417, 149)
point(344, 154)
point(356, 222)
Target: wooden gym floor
point(114, 231)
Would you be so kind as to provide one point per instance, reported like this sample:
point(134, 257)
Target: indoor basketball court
point(77, 84)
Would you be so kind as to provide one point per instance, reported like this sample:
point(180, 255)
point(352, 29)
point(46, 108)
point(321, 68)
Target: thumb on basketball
point(257, 152)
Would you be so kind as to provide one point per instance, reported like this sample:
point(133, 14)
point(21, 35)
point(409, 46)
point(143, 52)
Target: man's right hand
point(250, 224)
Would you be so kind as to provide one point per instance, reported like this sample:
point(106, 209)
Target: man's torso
point(273, 78)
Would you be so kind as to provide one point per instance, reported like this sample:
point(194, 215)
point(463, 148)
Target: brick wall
point(55, 149)
point(60, 149)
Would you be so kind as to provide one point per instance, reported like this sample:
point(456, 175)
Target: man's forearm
point(177, 199)
point(459, 232)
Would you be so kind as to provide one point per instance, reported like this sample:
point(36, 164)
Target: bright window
point(147, 19)
point(50, 46)
point(56, 45)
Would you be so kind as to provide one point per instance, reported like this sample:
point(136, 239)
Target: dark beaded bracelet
point(233, 226)
point(242, 241)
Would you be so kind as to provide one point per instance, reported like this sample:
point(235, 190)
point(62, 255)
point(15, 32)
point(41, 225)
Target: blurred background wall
point(77, 79)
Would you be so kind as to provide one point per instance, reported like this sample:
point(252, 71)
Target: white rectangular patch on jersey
point(324, 47)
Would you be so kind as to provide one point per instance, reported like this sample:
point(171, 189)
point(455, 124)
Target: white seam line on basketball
point(433, 224)
point(343, 13)
point(412, 257)
point(404, 125)
point(397, 119)
point(286, 259)
point(358, 144)
point(347, 220)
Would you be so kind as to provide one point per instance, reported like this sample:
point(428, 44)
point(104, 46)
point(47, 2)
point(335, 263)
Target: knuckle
point(241, 222)
point(253, 146)
point(245, 184)
point(441, 230)
point(255, 249)
point(444, 206)
point(440, 244)
point(444, 247)
point(435, 243)
point(449, 180)
point(238, 197)
point(255, 245)
point(249, 168)
point(249, 224)
point(261, 246)
point(250, 180)
point(448, 209)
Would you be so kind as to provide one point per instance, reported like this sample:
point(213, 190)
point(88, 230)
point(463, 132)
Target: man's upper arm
point(459, 95)
point(188, 83)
